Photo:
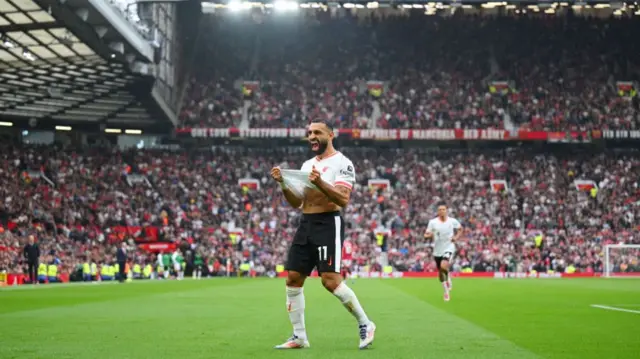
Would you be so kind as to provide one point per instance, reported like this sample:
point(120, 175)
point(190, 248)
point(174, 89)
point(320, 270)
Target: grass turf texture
point(244, 318)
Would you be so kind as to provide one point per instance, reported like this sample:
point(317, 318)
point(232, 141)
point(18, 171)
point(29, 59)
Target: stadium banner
point(393, 134)
point(495, 275)
point(569, 137)
point(29, 175)
point(406, 275)
point(503, 275)
point(500, 87)
point(249, 183)
point(249, 89)
point(626, 89)
point(584, 185)
point(499, 186)
point(375, 88)
point(20, 279)
point(379, 184)
point(158, 247)
point(140, 234)
point(616, 134)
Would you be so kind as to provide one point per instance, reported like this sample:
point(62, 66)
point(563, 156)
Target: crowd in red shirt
point(558, 72)
point(195, 198)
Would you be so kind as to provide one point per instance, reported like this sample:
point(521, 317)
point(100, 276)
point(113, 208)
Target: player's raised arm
point(289, 195)
point(339, 194)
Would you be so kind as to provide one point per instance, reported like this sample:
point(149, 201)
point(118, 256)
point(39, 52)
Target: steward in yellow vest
point(245, 269)
point(52, 273)
point(94, 271)
point(86, 272)
point(147, 271)
point(137, 271)
point(42, 272)
point(105, 273)
point(116, 271)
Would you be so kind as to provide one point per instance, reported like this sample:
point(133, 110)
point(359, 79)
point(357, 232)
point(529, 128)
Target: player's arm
point(428, 233)
point(339, 194)
point(458, 232)
point(289, 195)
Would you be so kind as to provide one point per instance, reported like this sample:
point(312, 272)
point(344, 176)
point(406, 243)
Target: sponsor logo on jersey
point(348, 171)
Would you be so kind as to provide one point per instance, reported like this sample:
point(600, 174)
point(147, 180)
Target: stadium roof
point(47, 73)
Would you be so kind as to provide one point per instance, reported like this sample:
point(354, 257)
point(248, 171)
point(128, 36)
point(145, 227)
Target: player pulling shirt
point(318, 239)
point(336, 169)
point(322, 233)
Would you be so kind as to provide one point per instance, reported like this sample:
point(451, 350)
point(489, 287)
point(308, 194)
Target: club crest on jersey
point(325, 169)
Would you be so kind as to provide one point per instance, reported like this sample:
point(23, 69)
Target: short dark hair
point(442, 203)
point(324, 122)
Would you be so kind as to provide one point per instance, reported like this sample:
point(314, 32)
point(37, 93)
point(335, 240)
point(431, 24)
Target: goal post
point(621, 260)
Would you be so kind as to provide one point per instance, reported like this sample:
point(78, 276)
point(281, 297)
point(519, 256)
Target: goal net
point(622, 260)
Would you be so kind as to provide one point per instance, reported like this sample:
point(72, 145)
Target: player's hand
point(276, 174)
point(428, 234)
point(314, 176)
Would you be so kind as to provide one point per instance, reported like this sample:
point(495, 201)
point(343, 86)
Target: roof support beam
point(30, 27)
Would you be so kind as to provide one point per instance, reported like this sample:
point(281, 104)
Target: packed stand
point(562, 71)
point(195, 201)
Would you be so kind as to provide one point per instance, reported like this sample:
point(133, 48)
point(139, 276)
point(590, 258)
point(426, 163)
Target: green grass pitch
point(245, 318)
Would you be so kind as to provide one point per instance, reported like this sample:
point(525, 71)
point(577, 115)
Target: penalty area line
point(606, 307)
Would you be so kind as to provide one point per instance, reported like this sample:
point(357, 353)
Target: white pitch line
point(615, 309)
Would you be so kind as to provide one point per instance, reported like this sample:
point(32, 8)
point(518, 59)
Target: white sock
point(350, 301)
point(295, 307)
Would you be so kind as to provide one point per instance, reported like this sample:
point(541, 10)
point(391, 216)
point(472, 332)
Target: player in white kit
point(318, 240)
point(445, 232)
point(176, 258)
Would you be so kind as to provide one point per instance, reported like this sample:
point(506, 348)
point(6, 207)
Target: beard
point(322, 146)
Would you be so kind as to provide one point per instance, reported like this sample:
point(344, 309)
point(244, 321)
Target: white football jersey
point(443, 232)
point(336, 170)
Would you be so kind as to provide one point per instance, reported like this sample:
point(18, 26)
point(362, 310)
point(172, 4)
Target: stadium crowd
point(557, 72)
point(76, 202)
